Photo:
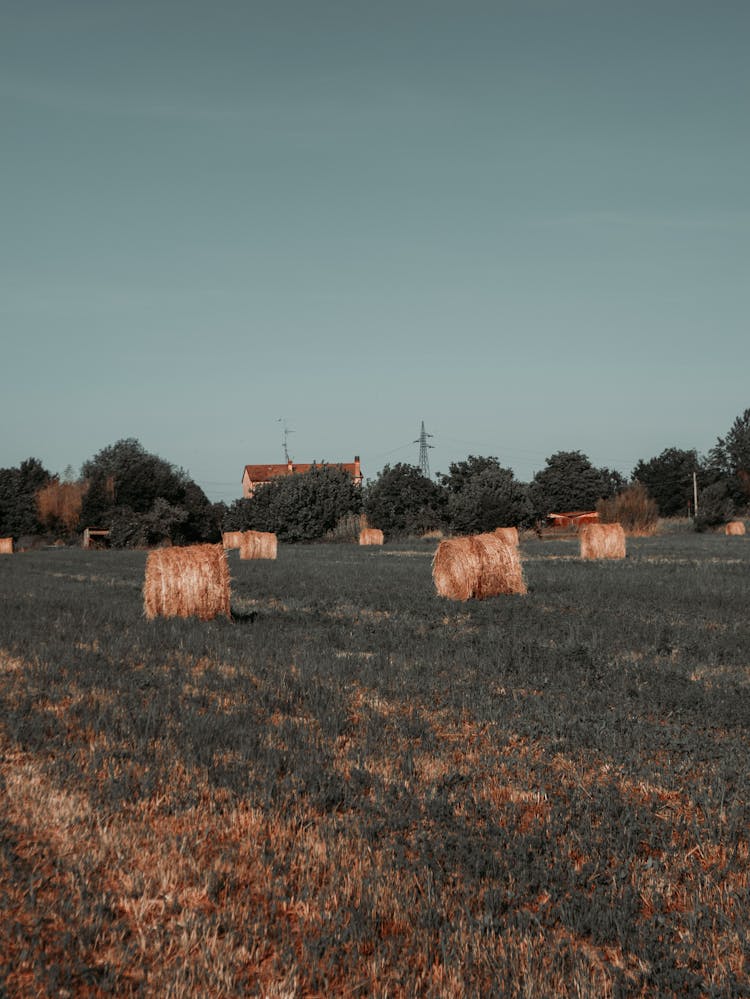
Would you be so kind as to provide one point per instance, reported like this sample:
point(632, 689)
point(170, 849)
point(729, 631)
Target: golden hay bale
point(258, 544)
point(507, 534)
point(479, 566)
point(6, 546)
point(187, 582)
point(231, 539)
point(735, 527)
point(602, 541)
point(370, 536)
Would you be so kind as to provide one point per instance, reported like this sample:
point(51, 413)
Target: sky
point(523, 222)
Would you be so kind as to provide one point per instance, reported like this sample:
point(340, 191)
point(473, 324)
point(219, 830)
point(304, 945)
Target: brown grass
point(6, 546)
point(59, 504)
point(258, 544)
point(231, 539)
point(479, 566)
point(602, 541)
point(633, 508)
point(507, 534)
point(370, 536)
point(734, 527)
point(187, 582)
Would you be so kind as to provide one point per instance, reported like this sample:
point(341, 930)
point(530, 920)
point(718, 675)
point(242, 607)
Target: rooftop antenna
point(424, 447)
point(285, 438)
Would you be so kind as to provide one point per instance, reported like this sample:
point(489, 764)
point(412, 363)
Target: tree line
point(144, 500)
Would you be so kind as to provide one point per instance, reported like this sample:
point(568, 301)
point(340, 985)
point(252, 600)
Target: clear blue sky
point(526, 223)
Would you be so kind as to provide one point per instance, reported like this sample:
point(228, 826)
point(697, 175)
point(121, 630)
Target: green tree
point(299, 507)
point(462, 472)
point(18, 490)
point(491, 498)
point(669, 479)
point(570, 482)
point(144, 499)
point(715, 505)
point(128, 475)
point(730, 457)
point(401, 501)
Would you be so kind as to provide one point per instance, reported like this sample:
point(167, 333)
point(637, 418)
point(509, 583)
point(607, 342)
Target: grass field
point(356, 788)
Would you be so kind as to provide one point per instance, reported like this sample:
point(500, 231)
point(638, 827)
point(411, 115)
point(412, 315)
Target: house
point(573, 518)
point(258, 475)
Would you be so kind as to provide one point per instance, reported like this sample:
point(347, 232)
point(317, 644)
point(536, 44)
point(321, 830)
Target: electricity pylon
point(424, 447)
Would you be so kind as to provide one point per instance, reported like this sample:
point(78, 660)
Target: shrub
point(633, 508)
point(402, 501)
point(299, 507)
point(715, 506)
point(493, 498)
point(570, 482)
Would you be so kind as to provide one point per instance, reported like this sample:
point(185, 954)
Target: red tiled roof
point(264, 473)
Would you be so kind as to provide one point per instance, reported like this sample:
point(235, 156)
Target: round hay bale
point(258, 544)
point(602, 541)
point(370, 536)
point(6, 546)
point(479, 566)
point(187, 582)
point(231, 539)
point(735, 527)
point(507, 534)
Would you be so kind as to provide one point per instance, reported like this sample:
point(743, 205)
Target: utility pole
point(424, 447)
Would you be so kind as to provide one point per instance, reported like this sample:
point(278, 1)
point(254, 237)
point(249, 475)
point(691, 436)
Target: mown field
point(356, 788)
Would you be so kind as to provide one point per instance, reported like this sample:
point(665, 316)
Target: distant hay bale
point(370, 536)
point(187, 582)
point(6, 546)
point(231, 539)
point(507, 534)
point(602, 541)
point(258, 544)
point(735, 527)
point(479, 566)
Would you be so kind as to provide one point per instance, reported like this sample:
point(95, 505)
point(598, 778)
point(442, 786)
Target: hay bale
point(507, 534)
point(602, 541)
point(6, 546)
point(231, 539)
point(258, 544)
point(735, 527)
point(370, 536)
point(479, 566)
point(187, 582)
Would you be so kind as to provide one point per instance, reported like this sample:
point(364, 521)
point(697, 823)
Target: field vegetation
point(355, 787)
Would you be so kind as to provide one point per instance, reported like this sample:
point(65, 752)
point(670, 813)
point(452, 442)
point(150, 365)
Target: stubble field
point(357, 788)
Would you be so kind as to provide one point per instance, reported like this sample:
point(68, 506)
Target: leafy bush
point(402, 501)
point(669, 479)
point(492, 498)
point(715, 506)
point(144, 500)
point(347, 528)
point(300, 507)
point(570, 482)
point(633, 508)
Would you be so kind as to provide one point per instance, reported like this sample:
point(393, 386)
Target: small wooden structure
point(95, 537)
point(6, 546)
point(573, 519)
